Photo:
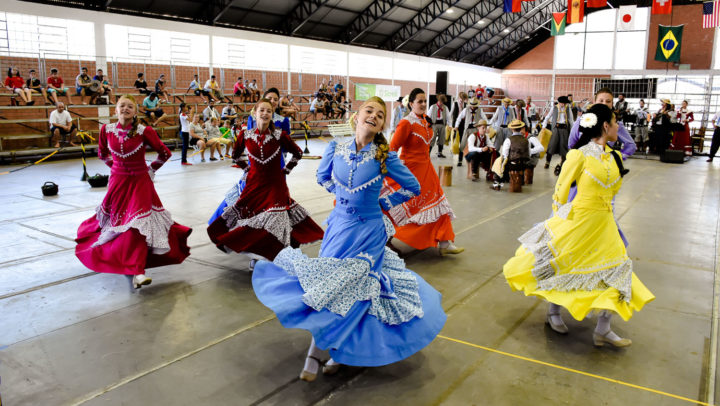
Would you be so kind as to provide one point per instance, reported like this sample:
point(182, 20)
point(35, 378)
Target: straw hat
point(481, 123)
point(507, 100)
point(516, 124)
point(666, 101)
point(473, 102)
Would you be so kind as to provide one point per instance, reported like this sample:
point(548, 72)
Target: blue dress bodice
point(355, 177)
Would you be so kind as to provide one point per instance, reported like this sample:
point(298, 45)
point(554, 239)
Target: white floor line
point(90, 396)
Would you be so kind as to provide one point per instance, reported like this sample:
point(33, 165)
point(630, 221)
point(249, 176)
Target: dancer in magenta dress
point(264, 219)
point(131, 231)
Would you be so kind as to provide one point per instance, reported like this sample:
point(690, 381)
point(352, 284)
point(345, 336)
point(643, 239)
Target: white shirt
point(716, 119)
point(535, 147)
point(471, 143)
point(228, 111)
point(313, 103)
point(63, 118)
point(479, 115)
point(208, 85)
point(184, 123)
point(252, 85)
point(209, 113)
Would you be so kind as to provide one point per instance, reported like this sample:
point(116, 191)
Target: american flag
point(711, 14)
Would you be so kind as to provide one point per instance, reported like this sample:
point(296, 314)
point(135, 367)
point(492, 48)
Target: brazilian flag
point(669, 41)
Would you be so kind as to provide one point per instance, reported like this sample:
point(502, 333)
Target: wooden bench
point(340, 130)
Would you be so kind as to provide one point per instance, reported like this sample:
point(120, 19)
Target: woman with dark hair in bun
point(283, 123)
point(576, 259)
point(424, 221)
point(357, 298)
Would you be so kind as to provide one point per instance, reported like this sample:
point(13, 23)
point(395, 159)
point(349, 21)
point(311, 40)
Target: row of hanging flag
point(576, 8)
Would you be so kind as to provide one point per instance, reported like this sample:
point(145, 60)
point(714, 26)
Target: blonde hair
point(135, 121)
point(379, 140)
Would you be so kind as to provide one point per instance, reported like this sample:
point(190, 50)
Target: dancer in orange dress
point(425, 220)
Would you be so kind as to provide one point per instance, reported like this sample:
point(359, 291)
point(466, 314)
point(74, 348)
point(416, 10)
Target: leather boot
point(529, 175)
point(515, 182)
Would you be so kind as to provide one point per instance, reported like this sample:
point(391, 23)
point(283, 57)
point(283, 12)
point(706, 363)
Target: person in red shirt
point(55, 87)
point(15, 83)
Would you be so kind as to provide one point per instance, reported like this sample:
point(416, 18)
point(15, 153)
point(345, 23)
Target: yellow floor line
point(576, 371)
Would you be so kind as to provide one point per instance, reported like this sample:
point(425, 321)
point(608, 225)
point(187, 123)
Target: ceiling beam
point(462, 24)
point(495, 27)
point(368, 17)
point(301, 14)
point(528, 24)
point(223, 7)
point(421, 20)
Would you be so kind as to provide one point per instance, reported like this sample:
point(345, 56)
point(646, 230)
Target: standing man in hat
point(500, 121)
point(439, 115)
point(516, 151)
point(473, 114)
point(398, 114)
point(559, 118)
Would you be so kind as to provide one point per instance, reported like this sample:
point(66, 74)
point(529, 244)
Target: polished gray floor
point(198, 335)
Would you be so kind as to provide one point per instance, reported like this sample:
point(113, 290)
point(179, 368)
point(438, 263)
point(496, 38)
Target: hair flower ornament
point(588, 120)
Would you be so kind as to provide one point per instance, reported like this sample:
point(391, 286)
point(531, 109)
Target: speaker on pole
point(441, 82)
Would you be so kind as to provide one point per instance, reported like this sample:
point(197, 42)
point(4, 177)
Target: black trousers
point(510, 166)
point(185, 140)
point(477, 159)
point(715, 142)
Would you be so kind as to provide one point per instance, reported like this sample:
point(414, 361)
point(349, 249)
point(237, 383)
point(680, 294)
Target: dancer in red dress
point(131, 231)
point(264, 220)
point(681, 139)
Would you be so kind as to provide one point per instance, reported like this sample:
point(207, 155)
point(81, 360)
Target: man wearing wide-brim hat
point(516, 152)
point(466, 123)
point(478, 151)
point(500, 121)
point(559, 119)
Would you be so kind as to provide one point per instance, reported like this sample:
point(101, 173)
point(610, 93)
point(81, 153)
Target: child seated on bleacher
point(55, 87)
point(15, 83)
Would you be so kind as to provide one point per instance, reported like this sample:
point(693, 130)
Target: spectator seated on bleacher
point(35, 86)
point(55, 87)
point(215, 141)
point(84, 86)
point(15, 83)
point(153, 112)
point(197, 89)
point(254, 91)
point(105, 87)
point(198, 136)
point(212, 87)
point(241, 91)
point(210, 111)
point(287, 109)
point(141, 84)
point(229, 113)
point(339, 88)
point(160, 89)
point(316, 106)
point(61, 126)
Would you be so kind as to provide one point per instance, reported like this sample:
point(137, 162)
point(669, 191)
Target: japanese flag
point(626, 18)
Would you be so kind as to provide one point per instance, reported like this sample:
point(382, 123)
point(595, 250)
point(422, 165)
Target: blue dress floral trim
point(357, 299)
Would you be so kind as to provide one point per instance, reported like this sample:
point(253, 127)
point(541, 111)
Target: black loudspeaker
point(441, 82)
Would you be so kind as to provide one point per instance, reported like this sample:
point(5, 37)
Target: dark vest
point(519, 148)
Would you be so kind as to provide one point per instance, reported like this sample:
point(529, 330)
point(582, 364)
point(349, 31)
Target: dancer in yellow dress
point(576, 259)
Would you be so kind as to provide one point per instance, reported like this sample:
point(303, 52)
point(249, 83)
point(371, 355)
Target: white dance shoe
point(141, 280)
point(611, 338)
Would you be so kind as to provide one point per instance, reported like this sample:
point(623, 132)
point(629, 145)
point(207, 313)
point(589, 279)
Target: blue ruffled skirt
point(353, 333)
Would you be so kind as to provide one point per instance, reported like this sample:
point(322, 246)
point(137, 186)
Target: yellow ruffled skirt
point(576, 259)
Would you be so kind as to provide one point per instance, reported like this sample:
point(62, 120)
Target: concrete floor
point(198, 335)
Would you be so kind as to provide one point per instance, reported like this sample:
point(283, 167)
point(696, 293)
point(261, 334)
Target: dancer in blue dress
point(357, 299)
point(282, 123)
